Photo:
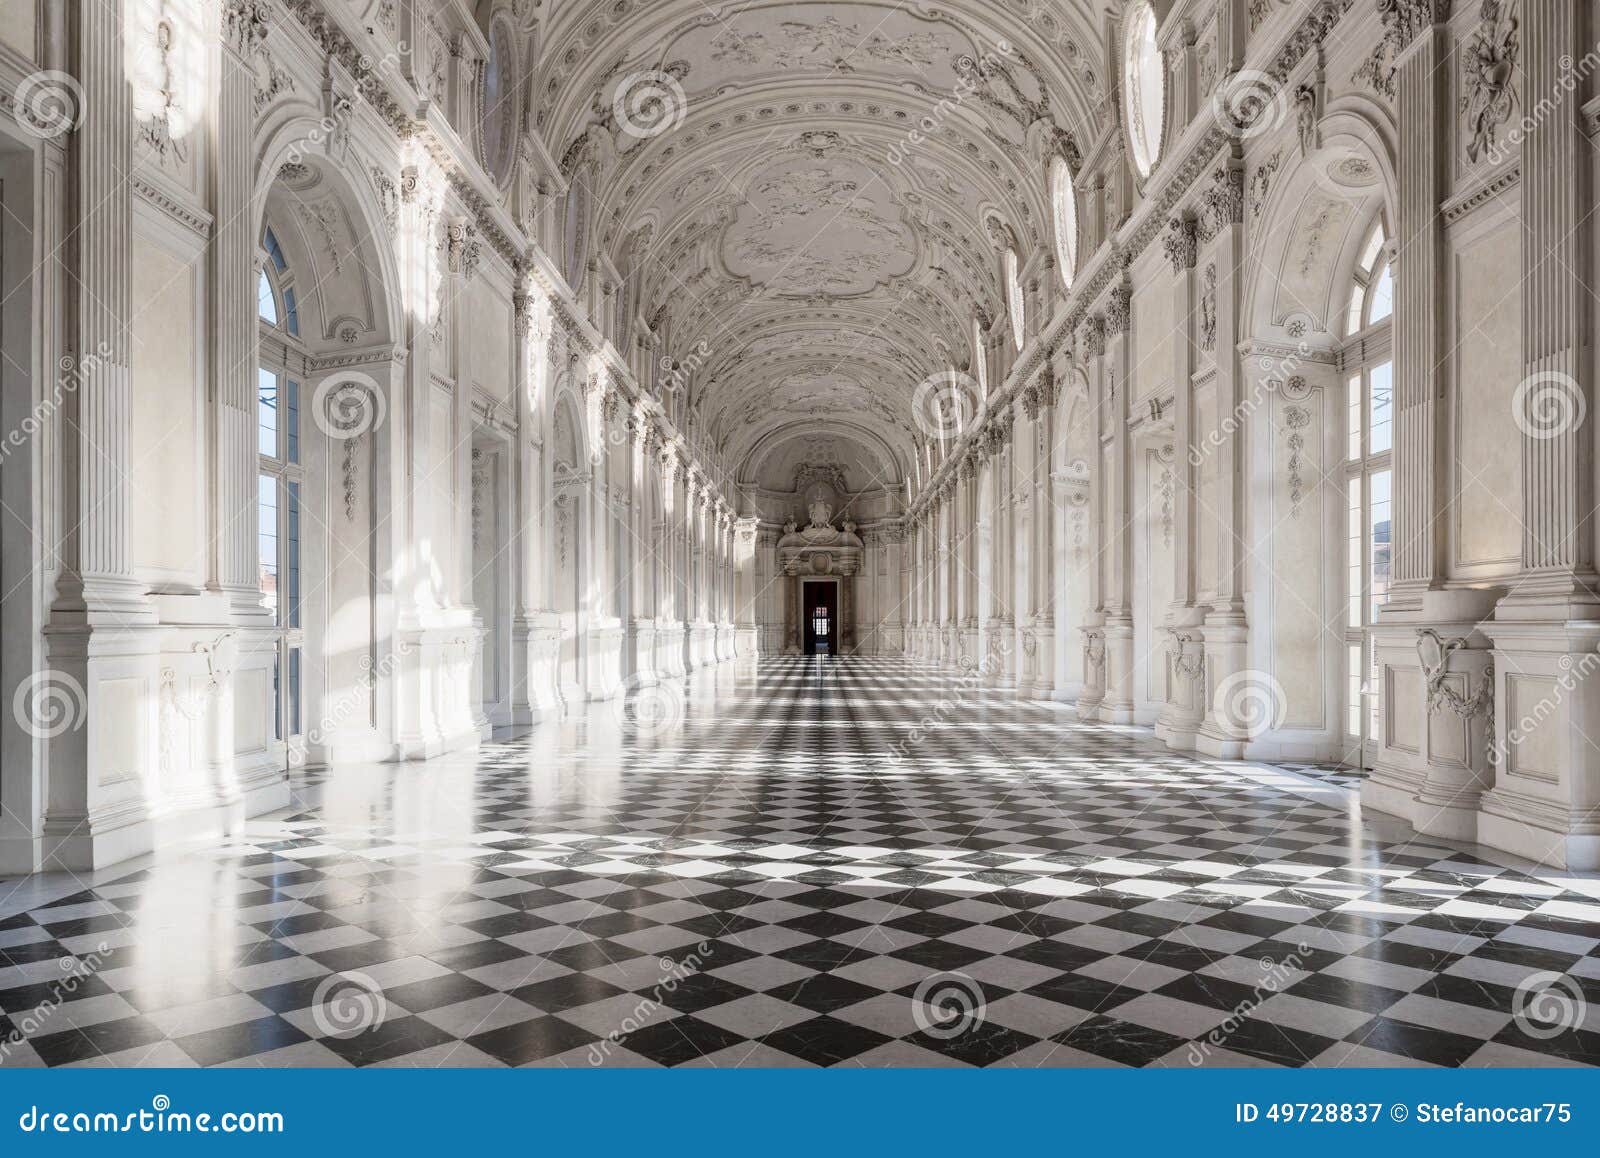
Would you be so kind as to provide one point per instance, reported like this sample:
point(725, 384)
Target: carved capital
point(245, 24)
point(1181, 243)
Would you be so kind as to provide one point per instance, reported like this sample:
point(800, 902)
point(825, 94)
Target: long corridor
point(806, 861)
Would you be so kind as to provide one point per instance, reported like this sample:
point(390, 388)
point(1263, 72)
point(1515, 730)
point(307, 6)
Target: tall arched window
point(1144, 85)
point(1368, 361)
point(499, 104)
point(280, 475)
point(1015, 304)
point(980, 358)
point(1064, 209)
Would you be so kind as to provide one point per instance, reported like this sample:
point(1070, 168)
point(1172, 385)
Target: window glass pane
point(267, 539)
point(1378, 524)
point(1352, 321)
point(1370, 253)
point(1381, 415)
point(1353, 675)
point(275, 252)
point(266, 304)
point(1353, 418)
point(1143, 84)
point(980, 356)
point(294, 691)
point(292, 554)
point(1355, 554)
point(291, 419)
point(1064, 205)
point(1382, 297)
point(267, 412)
point(292, 312)
point(1014, 299)
point(1374, 695)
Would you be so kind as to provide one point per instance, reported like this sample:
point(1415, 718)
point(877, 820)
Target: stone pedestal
point(603, 671)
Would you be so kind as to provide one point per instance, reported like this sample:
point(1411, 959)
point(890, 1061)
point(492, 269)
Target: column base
point(603, 669)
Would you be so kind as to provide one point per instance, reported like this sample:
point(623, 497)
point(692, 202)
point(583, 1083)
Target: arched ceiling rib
point(814, 225)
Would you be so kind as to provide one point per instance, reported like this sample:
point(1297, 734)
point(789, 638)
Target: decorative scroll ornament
point(1489, 83)
point(1208, 308)
point(1119, 308)
point(1191, 665)
point(1296, 418)
point(1222, 204)
point(1433, 653)
point(1094, 652)
point(351, 472)
point(1181, 243)
point(1092, 336)
point(246, 23)
point(157, 130)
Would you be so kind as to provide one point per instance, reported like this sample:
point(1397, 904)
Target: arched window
point(275, 300)
point(1014, 300)
point(1368, 361)
point(980, 358)
point(1144, 85)
point(1064, 209)
point(280, 475)
point(499, 104)
point(1372, 288)
point(575, 239)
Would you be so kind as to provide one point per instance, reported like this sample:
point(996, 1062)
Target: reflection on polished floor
point(809, 861)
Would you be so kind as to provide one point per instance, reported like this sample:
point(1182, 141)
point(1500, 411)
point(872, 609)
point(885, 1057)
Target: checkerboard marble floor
point(808, 862)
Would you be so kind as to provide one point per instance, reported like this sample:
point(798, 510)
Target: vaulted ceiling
point(815, 226)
